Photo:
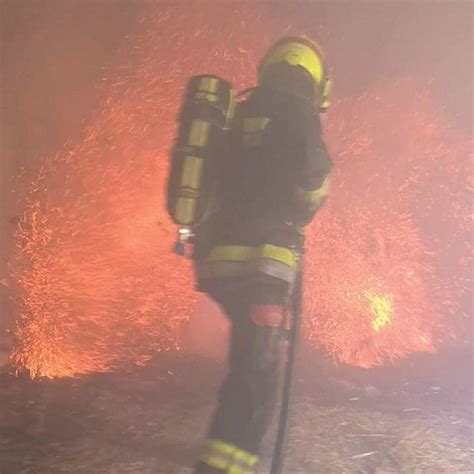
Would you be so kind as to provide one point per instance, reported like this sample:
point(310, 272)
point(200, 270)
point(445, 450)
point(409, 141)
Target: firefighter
point(273, 180)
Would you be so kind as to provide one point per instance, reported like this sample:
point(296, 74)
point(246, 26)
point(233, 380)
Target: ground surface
point(152, 419)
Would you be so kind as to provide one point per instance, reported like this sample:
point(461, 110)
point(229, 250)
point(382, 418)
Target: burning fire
point(389, 256)
point(98, 285)
point(382, 309)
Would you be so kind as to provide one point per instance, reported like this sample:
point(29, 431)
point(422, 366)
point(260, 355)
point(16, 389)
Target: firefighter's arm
point(312, 183)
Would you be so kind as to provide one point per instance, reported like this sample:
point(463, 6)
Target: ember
point(99, 287)
point(388, 257)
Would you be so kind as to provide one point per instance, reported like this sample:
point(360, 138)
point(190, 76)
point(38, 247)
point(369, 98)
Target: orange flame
point(397, 223)
point(98, 286)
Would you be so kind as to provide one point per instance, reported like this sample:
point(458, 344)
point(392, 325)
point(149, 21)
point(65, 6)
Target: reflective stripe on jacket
point(273, 182)
point(226, 261)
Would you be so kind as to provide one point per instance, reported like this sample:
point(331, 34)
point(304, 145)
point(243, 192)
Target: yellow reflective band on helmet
point(305, 53)
point(295, 54)
point(325, 103)
point(313, 198)
point(241, 253)
point(191, 175)
point(199, 133)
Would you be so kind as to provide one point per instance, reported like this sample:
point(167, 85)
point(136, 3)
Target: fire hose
point(293, 341)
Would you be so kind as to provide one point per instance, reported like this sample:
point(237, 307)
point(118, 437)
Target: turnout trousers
point(248, 394)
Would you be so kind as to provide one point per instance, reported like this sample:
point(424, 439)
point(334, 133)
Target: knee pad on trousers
point(248, 394)
point(268, 321)
point(266, 350)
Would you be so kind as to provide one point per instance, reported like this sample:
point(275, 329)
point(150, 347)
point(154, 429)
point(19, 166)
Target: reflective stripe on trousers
point(228, 457)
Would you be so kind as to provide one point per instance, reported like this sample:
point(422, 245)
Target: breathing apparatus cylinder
point(204, 120)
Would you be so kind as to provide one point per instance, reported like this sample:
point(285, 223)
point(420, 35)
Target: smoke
point(389, 258)
point(97, 285)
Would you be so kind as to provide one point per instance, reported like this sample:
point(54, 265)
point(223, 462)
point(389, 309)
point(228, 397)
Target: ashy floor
point(152, 419)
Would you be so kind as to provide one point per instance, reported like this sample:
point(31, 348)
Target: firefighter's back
point(259, 171)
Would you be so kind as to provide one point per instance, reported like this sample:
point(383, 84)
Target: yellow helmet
point(303, 52)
